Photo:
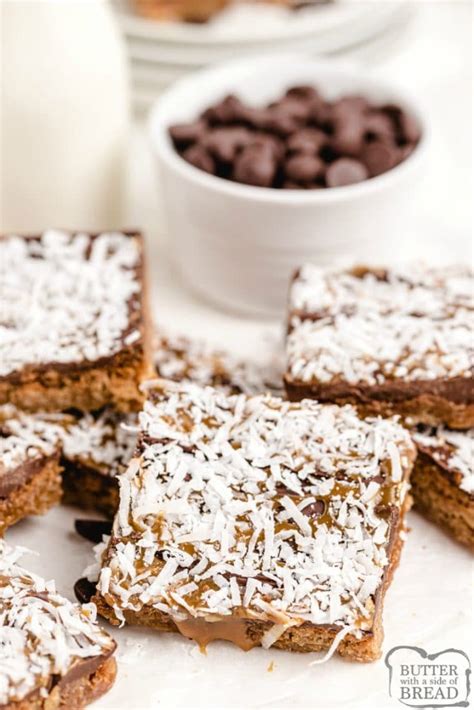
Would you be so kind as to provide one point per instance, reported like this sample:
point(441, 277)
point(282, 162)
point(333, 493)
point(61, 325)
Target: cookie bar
point(395, 341)
point(52, 652)
point(258, 521)
point(30, 480)
point(95, 449)
point(184, 360)
point(85, 451)
point(73, 321)
point(443, 480)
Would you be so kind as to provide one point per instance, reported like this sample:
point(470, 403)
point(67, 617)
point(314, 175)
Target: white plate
point(247, 25)
point(363, 29)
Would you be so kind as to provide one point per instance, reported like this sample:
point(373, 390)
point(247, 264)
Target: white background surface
point(430, 601)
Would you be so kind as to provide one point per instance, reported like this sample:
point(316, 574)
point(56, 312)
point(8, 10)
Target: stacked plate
point(161, 52)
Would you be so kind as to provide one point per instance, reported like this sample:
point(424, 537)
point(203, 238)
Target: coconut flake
point(78, 303)
point(411, 323)
point(42, 634)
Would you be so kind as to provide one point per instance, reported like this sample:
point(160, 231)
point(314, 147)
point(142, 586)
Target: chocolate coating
point(84, 590)
point(93, 530)
point(314, 510)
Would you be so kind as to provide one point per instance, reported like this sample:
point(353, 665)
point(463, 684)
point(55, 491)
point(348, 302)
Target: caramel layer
point(203, 632)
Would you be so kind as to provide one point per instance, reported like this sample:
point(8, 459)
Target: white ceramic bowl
point(237, 245)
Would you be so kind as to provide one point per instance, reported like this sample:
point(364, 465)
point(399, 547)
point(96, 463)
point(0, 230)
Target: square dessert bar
point(97, 447)
point(259, 521)
point(395, 341)
point(30, 480)
point(184, 360)
point(52, 652)
point(443, 480)
point(73, 321)
point(74, 456)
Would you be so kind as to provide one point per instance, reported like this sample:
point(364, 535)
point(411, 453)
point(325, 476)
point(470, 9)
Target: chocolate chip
point(281, 123)
point(256, 165)
point(299, 110)
point(393, 112)
point(93, 529)
point(406, 125)
point(378, 126)
point(314, 510)
point(226, 111)
point(350, 105)
point(320, 114)
point(304, 168)
point(304, 92)
point(198, 156)
point(253, 117)
point(383, 511)
point(275, 144)
point(348, 134)
point(379, 157)
point(345, 171)
point(84, 590)
point(183, 134)
point(409, 128)
point(404, 152)
point(307, 140)
point(224, 143)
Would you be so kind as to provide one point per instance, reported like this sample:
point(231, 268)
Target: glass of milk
point(64, 108)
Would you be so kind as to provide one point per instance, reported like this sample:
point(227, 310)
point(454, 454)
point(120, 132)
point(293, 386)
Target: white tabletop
point(430, 601)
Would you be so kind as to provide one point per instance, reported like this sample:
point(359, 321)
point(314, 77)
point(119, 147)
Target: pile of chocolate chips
point(300, 141)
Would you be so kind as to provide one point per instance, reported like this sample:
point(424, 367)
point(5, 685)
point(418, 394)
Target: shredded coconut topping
point(370, 326)
point(255, 506)
point(108, 439)
point(182, 360)
point(66, 298)
point(42, 634)
point(25, 437)
point(453, 450)
point(104, 440)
